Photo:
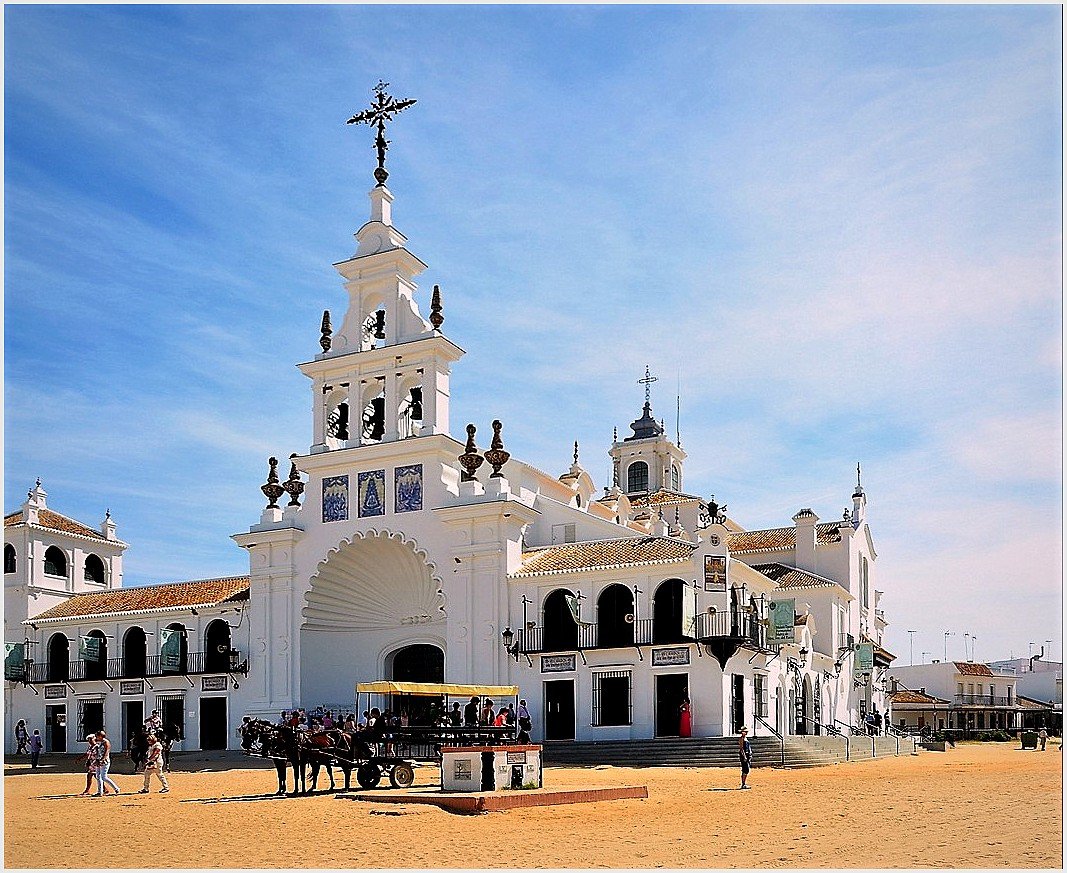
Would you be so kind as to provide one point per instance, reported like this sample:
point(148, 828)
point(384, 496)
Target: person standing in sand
point(685, 719)
point(154, 764)
point(1043, 736)
point(744, 750)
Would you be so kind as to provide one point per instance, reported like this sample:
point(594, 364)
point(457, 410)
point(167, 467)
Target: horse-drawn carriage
point(385, 749)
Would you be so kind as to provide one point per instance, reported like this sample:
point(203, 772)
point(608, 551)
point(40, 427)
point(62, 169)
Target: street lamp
point(508, 637)
point(947, 635)
point(965, 638)
point(911, 648)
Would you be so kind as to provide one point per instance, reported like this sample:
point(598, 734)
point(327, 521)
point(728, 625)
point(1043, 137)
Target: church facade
point(395, 550)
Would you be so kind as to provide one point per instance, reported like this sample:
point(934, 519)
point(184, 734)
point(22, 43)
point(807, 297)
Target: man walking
point(36, 744)
point(1043, 736)
point(744, 750)
point(102, 751)
point(154, 764)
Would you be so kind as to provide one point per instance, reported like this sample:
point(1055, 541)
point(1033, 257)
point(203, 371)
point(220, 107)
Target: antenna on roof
point(678, 413)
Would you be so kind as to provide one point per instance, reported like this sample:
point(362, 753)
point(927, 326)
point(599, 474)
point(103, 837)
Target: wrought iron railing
point(642, 632)
point(732, 624)
point(136, 668)
point(982, 700)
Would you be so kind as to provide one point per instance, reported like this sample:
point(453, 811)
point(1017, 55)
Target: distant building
point(1039, 684)
point(960, 695)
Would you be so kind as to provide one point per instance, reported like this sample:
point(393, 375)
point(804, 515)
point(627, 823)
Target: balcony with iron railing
point(194, 663)
point(982, 700)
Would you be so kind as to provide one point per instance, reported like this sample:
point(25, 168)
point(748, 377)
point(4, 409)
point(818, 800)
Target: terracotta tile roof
point(968, 669)
point(791, 578)
point(150, 598)
point(1030, 703)
point(55, 521)
point(663, 497)
point(906, 696)
point(781, 538)
point(597, 554)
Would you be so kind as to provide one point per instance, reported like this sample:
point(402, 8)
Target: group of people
point(98, 761)
point(875, 722)
point(25, 743)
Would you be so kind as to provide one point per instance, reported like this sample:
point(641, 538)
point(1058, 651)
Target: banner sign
point(15, 661)
point(170, 650)
point(572, 605)
point(714, 572)
point(865, 658)
point(675, 656)
point(557, 663)
point(134, 686)
point(214, 683)
point(55, 692)
point(782, 615)
point(89, 648)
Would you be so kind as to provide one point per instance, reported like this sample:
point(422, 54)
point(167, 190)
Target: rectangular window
point(760, 693)
point(959, 689)
point(563, 533)
point(1009, 695)
point(612, 703)
point(970, 689)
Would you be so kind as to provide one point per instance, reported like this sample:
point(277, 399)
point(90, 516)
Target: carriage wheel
point(368, 775)
point(402, 776)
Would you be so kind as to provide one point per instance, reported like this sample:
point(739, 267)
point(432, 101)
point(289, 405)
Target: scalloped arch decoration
point(375, 581)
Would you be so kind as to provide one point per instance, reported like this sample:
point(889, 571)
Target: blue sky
point(838, 226)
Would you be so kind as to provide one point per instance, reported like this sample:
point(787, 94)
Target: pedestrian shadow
point(68, 796)
point(738, 788)
point(244, 798)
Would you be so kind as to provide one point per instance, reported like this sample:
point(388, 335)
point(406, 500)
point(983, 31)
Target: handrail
point(781, 738)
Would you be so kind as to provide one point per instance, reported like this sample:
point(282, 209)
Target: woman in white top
point(102, 757)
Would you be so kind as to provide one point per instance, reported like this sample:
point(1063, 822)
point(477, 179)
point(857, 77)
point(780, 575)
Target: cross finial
point(858, 485)
point(576, 451)
point(647, 382)
point(383, 108)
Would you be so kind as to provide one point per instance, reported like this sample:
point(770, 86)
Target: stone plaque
point(557, 663)
point(214, 683)
point(674, 656)
point(55, 692)
point(516, 757)
point(461, 769)
point(133, 686)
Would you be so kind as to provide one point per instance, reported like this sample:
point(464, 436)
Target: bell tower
point(647, 461)
point(383, 376)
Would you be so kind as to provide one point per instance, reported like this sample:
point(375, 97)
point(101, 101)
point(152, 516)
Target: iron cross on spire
point(647, 382)
point(383, 108)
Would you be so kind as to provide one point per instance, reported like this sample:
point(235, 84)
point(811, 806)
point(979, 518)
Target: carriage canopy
point(436, 689)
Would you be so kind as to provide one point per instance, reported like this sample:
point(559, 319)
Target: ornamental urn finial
point(326, 340)
point(436, 318)
point(293, 486)
point(470, 460)
point(576, 451)
point(496, 456)
point(272, 490)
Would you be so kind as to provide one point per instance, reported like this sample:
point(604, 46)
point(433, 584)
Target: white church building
point(403, 552)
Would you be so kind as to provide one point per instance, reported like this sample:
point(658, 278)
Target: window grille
point(637, 477)
point(612, 698)
point(760, 692)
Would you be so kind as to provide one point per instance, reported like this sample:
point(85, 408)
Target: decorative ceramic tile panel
point(408, 481)
point(335, 498)
point(372, 493)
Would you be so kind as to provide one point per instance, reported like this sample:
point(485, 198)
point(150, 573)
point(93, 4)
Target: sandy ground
point(976, 806)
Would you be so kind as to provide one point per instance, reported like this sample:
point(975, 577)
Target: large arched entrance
point(419, 662)
point(374, 610)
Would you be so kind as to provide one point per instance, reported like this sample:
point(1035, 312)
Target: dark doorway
point(58, 658)
point(737, 704)
point(132, 720)
point(615, 617)
point(559, 709)
point(560, 630)
point(671, 690)
point(172, 712)
point(667, 612)
point(213, 723)
point(55, 728)
point(217, 647)
point(96, 668)
point(417, 663)
point(611, 693)
point(134, 653)
point(488, 774)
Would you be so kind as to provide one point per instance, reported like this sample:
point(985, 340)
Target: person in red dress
point(685, 720)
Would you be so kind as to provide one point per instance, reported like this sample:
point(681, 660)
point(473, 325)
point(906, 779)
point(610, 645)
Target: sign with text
point(557, 663)
point(214, 683)
point(782, 615)
point(674, 656)
point(132, 686)
point(55, 692)
point(461, 769)
point(170, 650)
point(714, 572)
point(516, 757)
point(865, 658)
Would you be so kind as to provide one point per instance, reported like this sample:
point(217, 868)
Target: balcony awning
point(435, 689)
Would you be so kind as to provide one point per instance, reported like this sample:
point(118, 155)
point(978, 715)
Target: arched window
point(676, 478)
point(58, 658)
point(134, 653)
point(169, 664)
point(9, 558)
point(55, 562)
point(615, 616)
point(96, 668)
point(373, 415)
point(217, 647)
point(374, 329)
point(560, 631)
point(637, 477)
point(667, 612)
point(94, 570)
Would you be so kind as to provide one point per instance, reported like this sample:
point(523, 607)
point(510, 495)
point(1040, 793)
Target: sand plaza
point(979, 805)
